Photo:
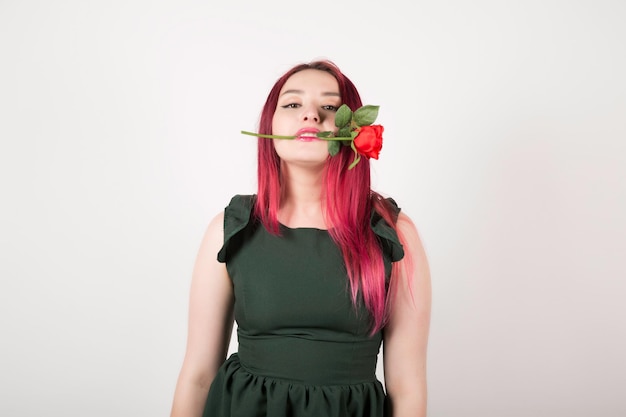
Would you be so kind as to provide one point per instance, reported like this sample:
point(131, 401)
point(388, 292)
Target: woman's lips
point(307, 135)
point(307, 138)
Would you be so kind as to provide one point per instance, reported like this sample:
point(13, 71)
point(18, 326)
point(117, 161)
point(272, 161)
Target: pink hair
point(348, 200)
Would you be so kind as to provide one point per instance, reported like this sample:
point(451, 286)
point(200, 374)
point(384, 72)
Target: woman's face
point(306, 105)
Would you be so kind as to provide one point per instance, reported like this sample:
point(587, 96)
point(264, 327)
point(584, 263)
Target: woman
point(317, 269)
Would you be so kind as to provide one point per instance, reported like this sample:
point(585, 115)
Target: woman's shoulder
point(383, 222)
point(242, 201)
point(236, 217)
point(394, 224)
point(238, 212)
point(387, 209)
point(384, 206)
point(411, 238)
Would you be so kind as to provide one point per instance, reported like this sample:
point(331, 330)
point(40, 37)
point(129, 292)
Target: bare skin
point(405, 337)
point(307, 100)
point(210, 325)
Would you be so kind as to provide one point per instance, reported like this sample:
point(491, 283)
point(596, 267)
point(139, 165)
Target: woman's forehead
point(311, 79)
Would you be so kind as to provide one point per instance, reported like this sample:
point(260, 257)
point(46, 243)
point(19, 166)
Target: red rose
point(369, 141)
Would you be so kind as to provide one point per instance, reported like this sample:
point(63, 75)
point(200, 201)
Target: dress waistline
point(309, 361)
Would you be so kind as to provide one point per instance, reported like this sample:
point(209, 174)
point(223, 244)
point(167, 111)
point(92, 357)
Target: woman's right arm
point(210, 324)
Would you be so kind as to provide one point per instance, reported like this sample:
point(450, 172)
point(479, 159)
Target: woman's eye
point(291, 106)
point(330, 108)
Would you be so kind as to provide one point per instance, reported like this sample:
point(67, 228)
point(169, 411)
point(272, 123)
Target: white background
point(505, 142)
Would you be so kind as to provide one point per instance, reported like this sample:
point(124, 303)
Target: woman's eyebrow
point(329, 93)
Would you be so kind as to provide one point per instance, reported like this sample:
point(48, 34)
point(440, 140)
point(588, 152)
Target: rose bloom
point(369, 141)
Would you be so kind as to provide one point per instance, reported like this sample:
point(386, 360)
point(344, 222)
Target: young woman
point(317, 269)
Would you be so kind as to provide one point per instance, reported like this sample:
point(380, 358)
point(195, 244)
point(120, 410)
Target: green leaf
point(366, 115)
point(346, 142)
point(333, 147)
point(344, 132)
point(343, 116)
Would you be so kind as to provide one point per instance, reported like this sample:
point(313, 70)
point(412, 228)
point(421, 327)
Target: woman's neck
point(301, 204)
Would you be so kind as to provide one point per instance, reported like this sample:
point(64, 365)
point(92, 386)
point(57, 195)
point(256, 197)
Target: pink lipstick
point(307, 134)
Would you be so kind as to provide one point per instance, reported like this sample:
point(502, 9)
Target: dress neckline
point(317, 229)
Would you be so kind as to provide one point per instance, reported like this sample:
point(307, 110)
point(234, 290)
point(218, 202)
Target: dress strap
point(390, 242)
point(236, 217)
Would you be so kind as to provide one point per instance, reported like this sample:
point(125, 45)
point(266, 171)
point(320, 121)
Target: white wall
point(505, 142)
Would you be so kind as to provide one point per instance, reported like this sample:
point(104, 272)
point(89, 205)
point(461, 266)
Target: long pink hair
point(348, 200)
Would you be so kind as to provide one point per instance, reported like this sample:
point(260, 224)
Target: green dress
point(303, 348)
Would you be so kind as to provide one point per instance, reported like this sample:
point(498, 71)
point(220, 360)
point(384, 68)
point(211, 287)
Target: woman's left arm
point(406, 333)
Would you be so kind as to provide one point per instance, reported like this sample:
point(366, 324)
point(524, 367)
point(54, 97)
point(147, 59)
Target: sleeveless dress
point(303, 348)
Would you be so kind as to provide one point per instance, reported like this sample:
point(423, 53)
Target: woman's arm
point(406, 334)
point(210, 325)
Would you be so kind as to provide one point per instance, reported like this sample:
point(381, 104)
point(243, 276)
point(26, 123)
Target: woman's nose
point(311, 115)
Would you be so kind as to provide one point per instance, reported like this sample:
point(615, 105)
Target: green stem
point(290, 137)
point(267, 136)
